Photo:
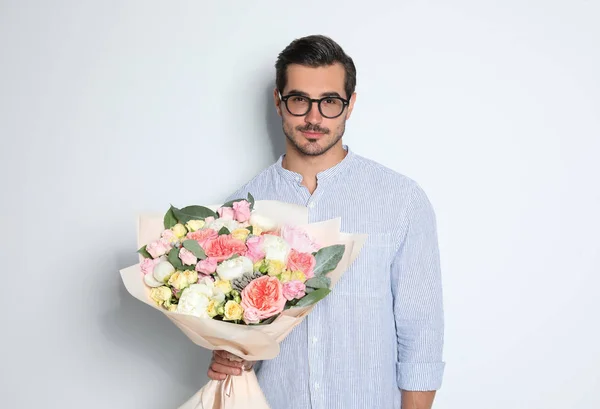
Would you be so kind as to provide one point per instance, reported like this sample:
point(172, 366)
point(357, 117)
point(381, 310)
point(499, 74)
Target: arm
point(418, 308)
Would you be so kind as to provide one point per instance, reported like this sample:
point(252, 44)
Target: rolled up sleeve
point(418, 302)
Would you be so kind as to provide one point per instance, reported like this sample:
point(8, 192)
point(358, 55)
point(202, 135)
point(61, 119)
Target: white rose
point(275, 248)
point(230, 224)
point(163, 271)
point(151, 281)
point(194, 301)
point(264, 223)
point(234, 268)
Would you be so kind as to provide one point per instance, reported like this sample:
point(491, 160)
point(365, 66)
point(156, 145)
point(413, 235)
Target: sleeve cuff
point(420, 376)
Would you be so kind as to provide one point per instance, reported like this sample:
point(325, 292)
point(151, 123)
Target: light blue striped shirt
point(380, 330)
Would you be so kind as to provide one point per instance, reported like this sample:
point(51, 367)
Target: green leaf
point(193, 213)
point(250, 229)
point(144, 252)
point(269, 320)
point(173, 258)
point(251, 201)
point(328, 258)
point(194, 247)
point(313, 297)
point(319, 282)
point(170, 220)
point(224, 230)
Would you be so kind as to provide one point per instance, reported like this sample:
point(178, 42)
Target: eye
point(298, 98)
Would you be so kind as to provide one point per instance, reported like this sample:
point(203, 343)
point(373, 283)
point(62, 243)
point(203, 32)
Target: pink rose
point(187, 257)
point(304, 262)
point(147, 265)
point(207, 266)
point(299, 239)
point(265, 295)
point(209, 220)
point(203, 236)
point(294, 289)
point(158, 248)
point(255, 252)
point(241, 211)
point(251, 316)
point(225, 213)
point(224, 247)
point(168, 235)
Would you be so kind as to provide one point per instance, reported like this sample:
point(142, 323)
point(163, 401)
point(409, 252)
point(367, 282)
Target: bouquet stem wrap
point(249, 342)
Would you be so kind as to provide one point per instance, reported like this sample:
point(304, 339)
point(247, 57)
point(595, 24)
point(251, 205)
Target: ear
point(351, 106)
point(277, 101)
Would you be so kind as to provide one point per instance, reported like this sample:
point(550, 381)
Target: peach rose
point(304, 262)
point(264, 297)
point(203, 236)
point(224, 247)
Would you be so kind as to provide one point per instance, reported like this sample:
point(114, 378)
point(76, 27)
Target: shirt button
point(311, 205)
point(316, 386)
point(314, 340)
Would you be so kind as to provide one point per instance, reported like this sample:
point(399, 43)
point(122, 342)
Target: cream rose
point(195, 225)
point(233, 311)
point(234, 268)
point(179, 230)
point(161, 295)
point(194, 301)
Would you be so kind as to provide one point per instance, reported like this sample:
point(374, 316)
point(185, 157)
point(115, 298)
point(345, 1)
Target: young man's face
point(313, 133)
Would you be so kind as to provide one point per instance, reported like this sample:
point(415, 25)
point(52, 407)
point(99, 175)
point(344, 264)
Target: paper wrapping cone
point(250, 342)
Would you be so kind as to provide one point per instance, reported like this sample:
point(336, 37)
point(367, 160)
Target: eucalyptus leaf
point(250, 229)
point(170, 220)
point(144, 252)
point(313, 297)
point(193, 213)
point(319, 282)
point(328, 258)
point(224, 230)
point(173, 258)
point(194, 247)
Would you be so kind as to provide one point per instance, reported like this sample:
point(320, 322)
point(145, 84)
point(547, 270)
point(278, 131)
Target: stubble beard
point(313, 148)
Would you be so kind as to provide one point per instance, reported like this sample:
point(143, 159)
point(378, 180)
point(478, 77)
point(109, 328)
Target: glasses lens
point(298, 105)
point(332, 107)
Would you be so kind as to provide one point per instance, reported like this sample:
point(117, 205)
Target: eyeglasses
point(300, 105)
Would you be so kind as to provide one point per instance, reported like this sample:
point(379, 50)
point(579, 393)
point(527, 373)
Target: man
point(376, 340)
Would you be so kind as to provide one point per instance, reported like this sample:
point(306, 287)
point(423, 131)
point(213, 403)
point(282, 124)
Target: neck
point(310, 166)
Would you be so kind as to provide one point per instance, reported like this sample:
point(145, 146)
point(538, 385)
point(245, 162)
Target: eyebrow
point(324, 94)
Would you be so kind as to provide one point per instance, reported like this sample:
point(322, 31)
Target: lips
point(312, 135)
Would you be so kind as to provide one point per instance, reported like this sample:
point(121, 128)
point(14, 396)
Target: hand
point(223, 363)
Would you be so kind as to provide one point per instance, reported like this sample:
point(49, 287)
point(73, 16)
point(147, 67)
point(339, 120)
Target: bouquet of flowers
point(237, 277)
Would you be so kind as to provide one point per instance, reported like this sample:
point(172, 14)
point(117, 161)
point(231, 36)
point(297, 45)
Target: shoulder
point(378, 174)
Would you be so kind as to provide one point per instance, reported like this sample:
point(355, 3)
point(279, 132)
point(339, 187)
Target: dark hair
point(315, 51)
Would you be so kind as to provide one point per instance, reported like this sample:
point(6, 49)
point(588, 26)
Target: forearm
point(417, 400)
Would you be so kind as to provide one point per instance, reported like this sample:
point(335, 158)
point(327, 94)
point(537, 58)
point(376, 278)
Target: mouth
point(312, 135)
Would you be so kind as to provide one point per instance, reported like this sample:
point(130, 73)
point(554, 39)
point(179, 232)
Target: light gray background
point(114, 107)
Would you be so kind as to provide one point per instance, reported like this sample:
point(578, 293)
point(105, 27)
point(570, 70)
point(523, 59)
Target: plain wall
point(114, 107)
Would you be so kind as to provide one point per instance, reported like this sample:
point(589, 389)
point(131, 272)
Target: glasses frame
point(284, 99)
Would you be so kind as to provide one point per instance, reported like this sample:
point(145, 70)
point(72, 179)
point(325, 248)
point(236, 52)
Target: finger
point(224, 369)
point(216, 376)
point(227, 362)
point(229, 356)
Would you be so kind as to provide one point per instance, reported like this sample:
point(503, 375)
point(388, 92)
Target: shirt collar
point(321, 176)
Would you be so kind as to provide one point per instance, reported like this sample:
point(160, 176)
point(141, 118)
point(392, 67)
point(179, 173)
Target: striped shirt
point(380, 330)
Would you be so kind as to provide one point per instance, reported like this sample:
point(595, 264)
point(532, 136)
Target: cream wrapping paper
point(250, 342)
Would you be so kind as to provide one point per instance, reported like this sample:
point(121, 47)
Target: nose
point(314, 116)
